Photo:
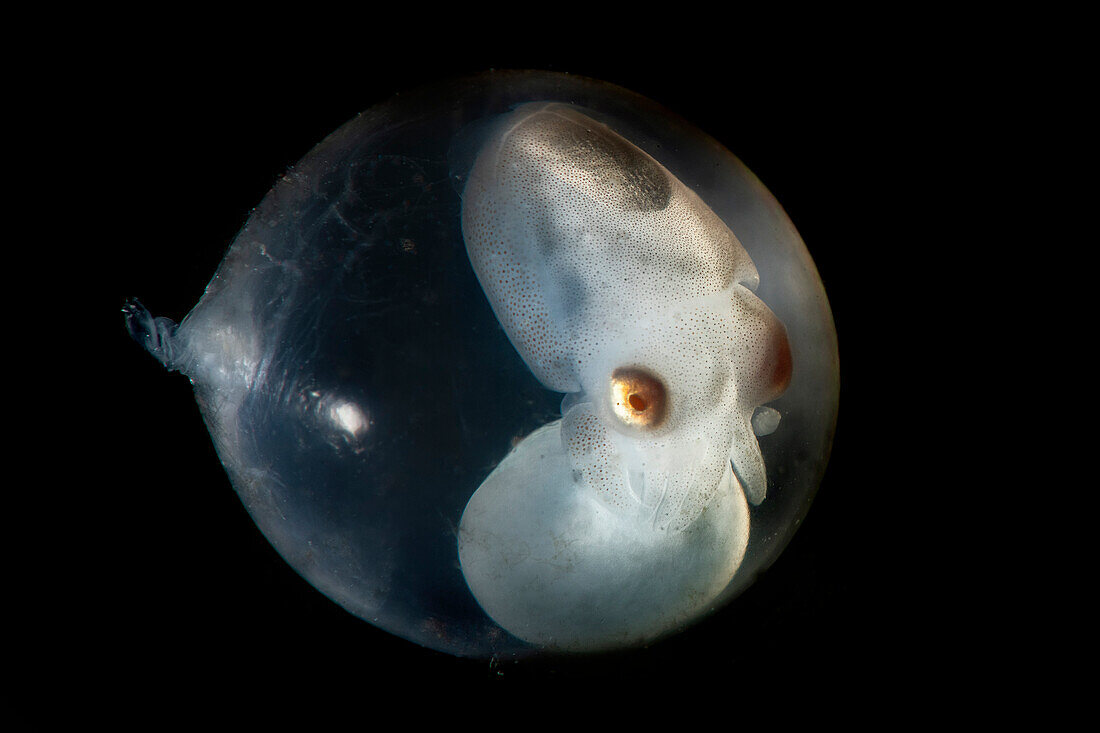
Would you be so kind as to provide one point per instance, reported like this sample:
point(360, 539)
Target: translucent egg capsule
point(517, 363)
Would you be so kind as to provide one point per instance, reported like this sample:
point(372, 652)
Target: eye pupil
point(637, 402)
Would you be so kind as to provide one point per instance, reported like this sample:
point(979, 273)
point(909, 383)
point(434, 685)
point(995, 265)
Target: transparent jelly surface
point(517, 363)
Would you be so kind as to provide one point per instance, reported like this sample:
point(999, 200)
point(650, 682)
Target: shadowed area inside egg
point(617, 285)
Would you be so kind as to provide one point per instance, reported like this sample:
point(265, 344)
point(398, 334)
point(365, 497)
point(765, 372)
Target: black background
point(179, 589)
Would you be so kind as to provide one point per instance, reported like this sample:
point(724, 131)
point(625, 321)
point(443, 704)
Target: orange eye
point(638, 397)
